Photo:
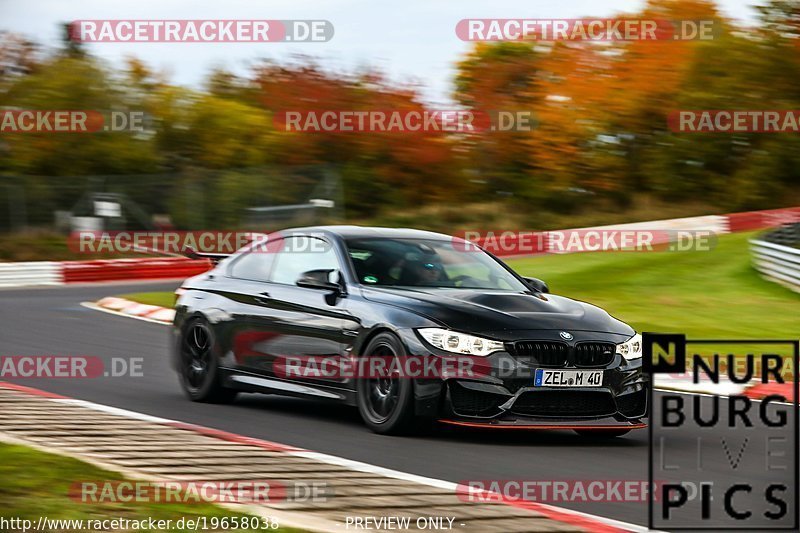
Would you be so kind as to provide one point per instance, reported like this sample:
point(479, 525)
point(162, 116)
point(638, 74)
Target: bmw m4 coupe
point(341, 313)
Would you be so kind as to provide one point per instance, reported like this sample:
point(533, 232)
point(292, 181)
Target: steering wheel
point(459, 280)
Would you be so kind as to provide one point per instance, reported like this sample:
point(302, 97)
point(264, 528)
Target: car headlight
point(452, 341)
point(632, 348)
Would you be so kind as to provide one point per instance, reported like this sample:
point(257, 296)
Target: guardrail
point(61, 272)
point(777, 262)
point(30, 273)
point(130, 269)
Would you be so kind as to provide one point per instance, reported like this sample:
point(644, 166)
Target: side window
point(301, 254)
point(253, 266)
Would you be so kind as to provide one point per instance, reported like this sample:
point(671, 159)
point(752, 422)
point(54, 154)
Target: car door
point(246, 288)
point(299, 328)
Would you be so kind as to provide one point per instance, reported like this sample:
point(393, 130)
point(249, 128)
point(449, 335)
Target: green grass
point(164, 299)
point(37, 484)
point(712, 294)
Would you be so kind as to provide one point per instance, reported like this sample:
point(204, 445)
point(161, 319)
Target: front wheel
point(199, 367)
point(385, 399)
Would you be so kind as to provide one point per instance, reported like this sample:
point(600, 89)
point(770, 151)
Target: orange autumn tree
point(600, 106)
point(492, 78)
point(380, 170)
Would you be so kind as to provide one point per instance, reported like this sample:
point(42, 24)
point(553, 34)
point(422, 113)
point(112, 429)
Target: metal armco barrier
point(788, 235)
point(32, 273)
point(777, 263)
point(127, 269)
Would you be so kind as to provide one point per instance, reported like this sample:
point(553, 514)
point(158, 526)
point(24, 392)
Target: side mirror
point(319, 279)
point(537, 284)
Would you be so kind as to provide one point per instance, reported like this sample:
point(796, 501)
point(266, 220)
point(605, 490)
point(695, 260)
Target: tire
point(386, 404)
point(601, 434)
point(199, 366)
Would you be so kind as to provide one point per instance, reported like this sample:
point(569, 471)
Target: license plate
point(568, 378)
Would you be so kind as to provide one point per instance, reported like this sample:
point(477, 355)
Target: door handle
point(263, 298)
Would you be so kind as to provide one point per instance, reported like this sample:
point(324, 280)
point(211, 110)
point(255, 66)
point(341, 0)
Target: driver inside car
point(422, 269)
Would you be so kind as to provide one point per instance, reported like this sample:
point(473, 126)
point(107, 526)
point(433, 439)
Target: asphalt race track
point(51, 321)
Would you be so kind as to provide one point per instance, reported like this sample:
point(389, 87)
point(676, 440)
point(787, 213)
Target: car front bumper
point(501, 394)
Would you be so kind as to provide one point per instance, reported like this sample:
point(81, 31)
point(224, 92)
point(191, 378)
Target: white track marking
point(92, 305)
point(445, 485)
point(348, 463)
point(112, 410)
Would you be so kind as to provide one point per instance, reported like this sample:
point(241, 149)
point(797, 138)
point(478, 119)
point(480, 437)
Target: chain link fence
point(263, 198)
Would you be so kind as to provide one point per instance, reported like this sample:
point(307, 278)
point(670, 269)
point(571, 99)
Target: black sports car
point(341, 312)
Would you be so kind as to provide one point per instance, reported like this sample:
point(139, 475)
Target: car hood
point(486, 311)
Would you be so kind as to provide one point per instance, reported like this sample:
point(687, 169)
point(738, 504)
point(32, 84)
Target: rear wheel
point(601, 434)
point(199, 369)
point(386, 401)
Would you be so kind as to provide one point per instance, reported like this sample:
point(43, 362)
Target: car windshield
point(427, 263)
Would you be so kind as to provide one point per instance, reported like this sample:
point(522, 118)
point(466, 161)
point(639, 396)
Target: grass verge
point(712, 294)
point(163, 299)
point(38, 484)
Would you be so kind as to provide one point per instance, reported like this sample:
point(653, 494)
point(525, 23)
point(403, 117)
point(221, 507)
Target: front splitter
point(500, 424)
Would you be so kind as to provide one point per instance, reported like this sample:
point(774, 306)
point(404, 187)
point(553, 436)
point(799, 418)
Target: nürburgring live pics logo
point(723, 461)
